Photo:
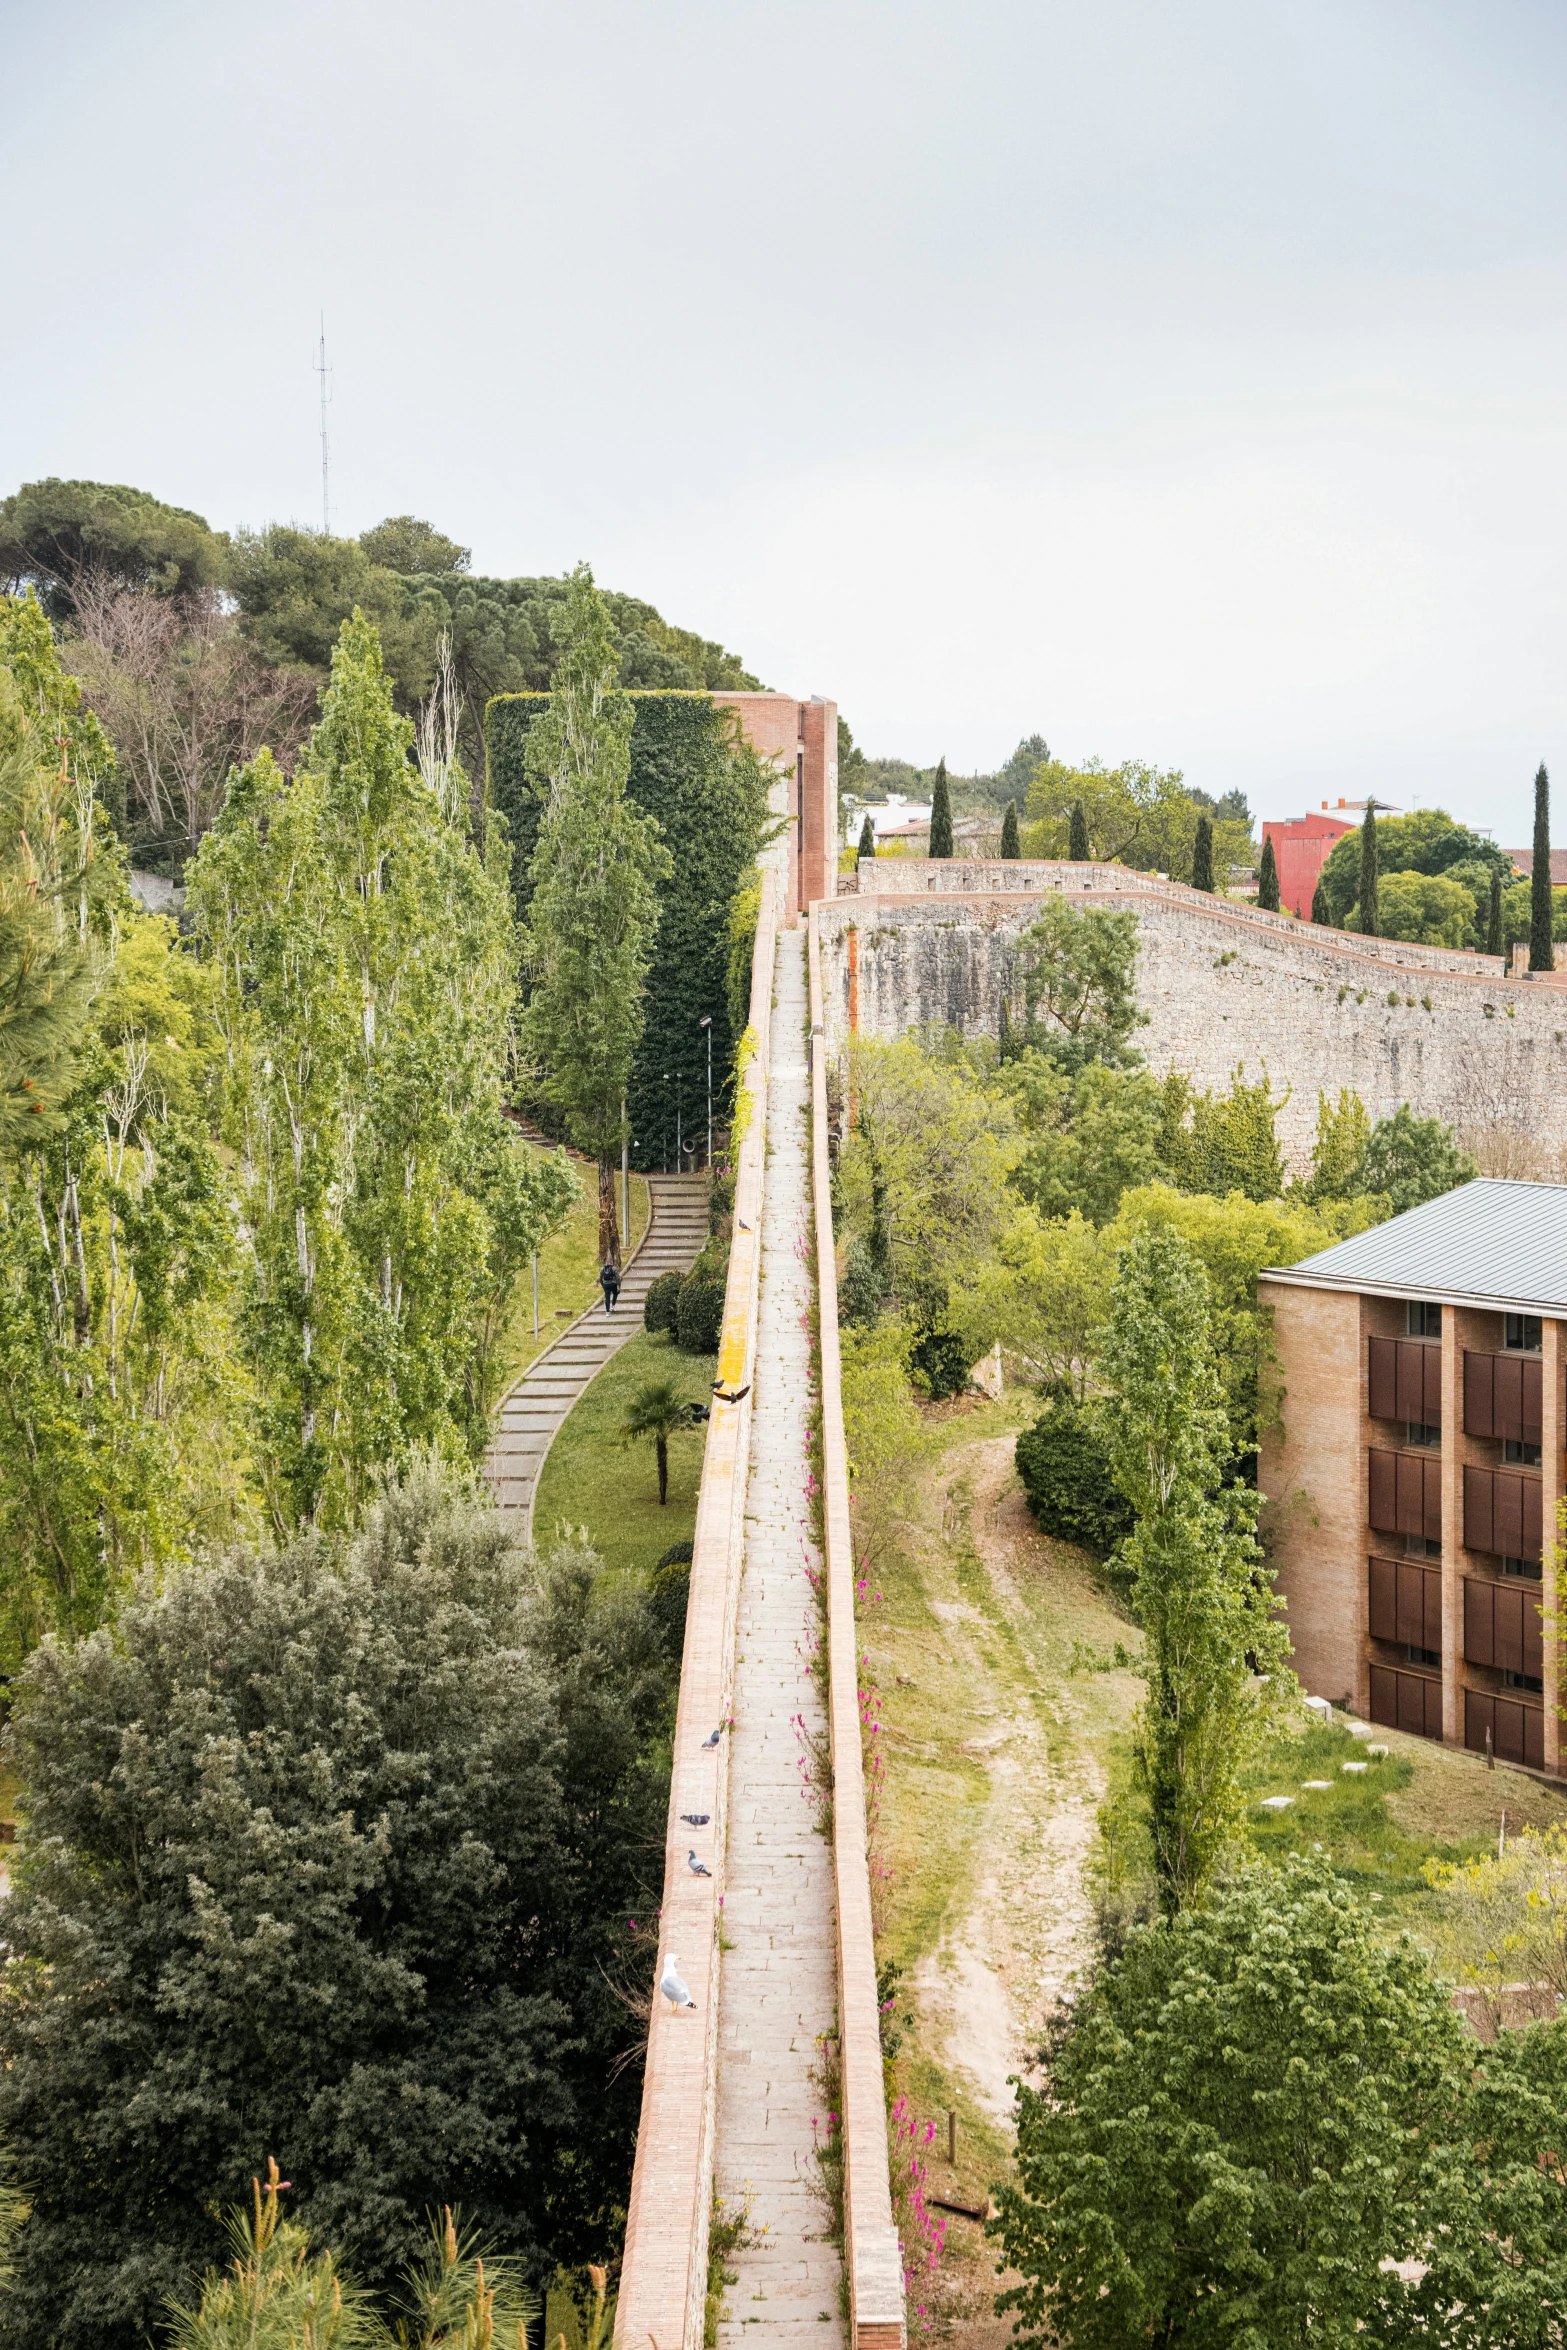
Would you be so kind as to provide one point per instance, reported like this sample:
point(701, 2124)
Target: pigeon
point(739, 1395)
point(717, 1734)
point(696, 1819)
point(698, 1868)
point(677, 1992)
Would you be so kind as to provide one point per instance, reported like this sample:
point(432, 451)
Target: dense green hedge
point(1064, 1464)
point(712, 808)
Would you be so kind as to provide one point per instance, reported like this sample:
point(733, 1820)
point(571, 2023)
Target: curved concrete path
point(532, 1411)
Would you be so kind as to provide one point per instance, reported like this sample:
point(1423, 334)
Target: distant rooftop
point(1490, 1243)
point(1524, 860)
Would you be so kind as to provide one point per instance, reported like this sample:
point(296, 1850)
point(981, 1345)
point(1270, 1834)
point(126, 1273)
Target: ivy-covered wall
point(690, 771)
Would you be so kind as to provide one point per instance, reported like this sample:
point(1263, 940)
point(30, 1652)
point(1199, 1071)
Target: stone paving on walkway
point(778, 1993)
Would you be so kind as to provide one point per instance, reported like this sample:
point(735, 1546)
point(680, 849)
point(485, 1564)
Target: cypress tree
point(1493, 923)
point(1077, 843)
point(1009, 839)
point(1268, 879)
point(1370, 917)
point(1321, 911)
point(941, 814)
point(867, 837)
point(1202, 856)
point(1004, 1041)
point(1542, 955)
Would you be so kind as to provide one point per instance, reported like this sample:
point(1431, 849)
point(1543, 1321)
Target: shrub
point(662, 1302)
point(939, 1364)
point(700, 1314)
point(862, 1289)
point(1064, 1463)
point(667, 1596)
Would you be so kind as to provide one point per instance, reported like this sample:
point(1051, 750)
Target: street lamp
point(706, 1022)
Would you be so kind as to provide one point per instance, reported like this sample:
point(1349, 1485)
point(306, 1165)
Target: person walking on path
point(609, 1282)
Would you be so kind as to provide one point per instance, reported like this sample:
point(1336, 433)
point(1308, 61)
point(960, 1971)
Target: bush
point(862, 1289)
point(939, 1364)
point(661, 1305)
point(700, 1314)
point(668, 1594)
point(1064, 1463)
point(327, 1856)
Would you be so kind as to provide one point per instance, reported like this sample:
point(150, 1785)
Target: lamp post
point(706, 1022)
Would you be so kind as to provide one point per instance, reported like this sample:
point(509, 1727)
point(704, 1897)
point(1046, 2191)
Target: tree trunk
point(609, 1223)
point(662, 1450)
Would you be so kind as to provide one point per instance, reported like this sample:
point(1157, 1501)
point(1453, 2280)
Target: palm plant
point(658, 1411)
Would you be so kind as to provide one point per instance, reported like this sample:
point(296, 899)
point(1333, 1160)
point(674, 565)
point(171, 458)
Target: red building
point(1303, 845)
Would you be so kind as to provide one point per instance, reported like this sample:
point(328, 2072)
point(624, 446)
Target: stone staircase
point(531, 1412)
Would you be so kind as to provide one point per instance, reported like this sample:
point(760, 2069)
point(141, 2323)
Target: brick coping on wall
point(982, 881)
point(663, 2286)
point(872, 2256)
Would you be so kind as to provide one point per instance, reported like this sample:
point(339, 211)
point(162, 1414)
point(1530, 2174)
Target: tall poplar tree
point(1199, 1585)
point(1268, 879)
point(1202, 856)
point(1370, 922)
point(1542, 953)
point(1010, 846)
point(594, 906)
point(941, 814)
point(1077, 836)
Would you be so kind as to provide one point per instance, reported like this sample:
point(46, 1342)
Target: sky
point(1181, 383)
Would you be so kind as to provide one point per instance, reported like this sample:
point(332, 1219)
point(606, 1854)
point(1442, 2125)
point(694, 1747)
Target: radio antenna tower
point(326, 496)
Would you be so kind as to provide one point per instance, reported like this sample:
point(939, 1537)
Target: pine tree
point(1493, 924)
point(1077, 841)
point(1009, 839)
point(867, 847)
point(1321, 911)
point(1268, 879)
point(941, 814)
point(1370, 923)
point(1202, 856)
point(1542, 954)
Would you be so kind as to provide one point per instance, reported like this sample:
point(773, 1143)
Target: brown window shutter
point(1507, 1373)
point(1431, 1498)
point(1507, 1512)
point(1479, 1716)
point(1411, 1380)
point(1382, 1592)
point(1383, 1468)
point(1478, 1402)
point(1533, 1635)
point(1479, 1622)
point(1533, 1736)
point(1382, 1381)
point(1411, 1491)
point(1411, 1604)
point(1433, 1608)
point(1431, 1366)
point(1507, 1655)
point(1384, 1696)
point(1533, 1393)
point(1479, 1517)
point(1532, 1494)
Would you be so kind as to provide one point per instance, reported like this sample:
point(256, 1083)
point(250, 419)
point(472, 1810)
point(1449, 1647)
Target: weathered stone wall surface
point(1227, 988)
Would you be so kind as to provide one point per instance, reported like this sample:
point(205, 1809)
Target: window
point(1513, 1450)
point(1521, 1332)
point(1523, 1681)
point(1427, 1432)
point(1423, 1656)
point(1418, 1546)
point(1530, 1567)
point(1425, 1321)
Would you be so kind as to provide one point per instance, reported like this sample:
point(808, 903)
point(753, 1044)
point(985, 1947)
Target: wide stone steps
point(529, 1415)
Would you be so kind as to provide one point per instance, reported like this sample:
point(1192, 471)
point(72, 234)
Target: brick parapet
point(871, 2250)
point(664, 2274)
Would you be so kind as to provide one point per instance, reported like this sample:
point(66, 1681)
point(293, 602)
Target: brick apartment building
point(1414, 1486)
point(1302, 845)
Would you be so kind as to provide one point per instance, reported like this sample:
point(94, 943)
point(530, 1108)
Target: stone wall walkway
point(779, 1992)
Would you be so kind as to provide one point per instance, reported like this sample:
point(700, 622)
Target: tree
point(1367, 916)
point(1088, 1134)
point(48, 973)
point(594, 910)
point(329, 1855)
point(1077, 848)
point(1493, 920)
point(1133, 814)
point(1232, 1143)
point(867, 847)
point(1063, 1464)
point(923, 1172)
point(1411, 1160)
point(57, 535)
point(1202, 856)
point(1430, 909)
point(1078, 966)
point(1542, 953)
point(1338, 1156)
point(296, 588)
point(1268, 879)
point(1238, 2130)
point(1198, 1581)
point(1429, 841)
point(404, 544)
point(1009, 839)
point(655, 1413)
point(941, 814)
point(1321, 911)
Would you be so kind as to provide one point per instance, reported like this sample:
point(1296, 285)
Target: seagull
point(677, 1992)
point(713, 1741)
point(698, 1868)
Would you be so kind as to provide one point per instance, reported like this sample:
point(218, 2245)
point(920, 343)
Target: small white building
point(895, 819)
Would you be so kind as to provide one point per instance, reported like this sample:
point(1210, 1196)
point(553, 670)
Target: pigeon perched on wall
point(674, 1989)
point(717, 1734)
point(698, 1868)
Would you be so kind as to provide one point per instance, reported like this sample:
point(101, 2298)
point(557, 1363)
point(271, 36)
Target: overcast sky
point(1184, 383)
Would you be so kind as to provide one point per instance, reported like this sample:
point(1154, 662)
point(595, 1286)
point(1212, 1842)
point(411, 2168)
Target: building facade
point(1301, 847)
point(1414, 1477)
point(801, 740)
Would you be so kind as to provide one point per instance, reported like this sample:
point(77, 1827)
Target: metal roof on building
point(1490, 1243)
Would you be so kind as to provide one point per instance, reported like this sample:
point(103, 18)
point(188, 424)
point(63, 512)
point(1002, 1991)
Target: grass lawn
point(590, 1481)
point(568, 1273)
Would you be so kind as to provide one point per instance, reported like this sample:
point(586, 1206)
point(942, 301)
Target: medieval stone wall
point(1227, 988)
